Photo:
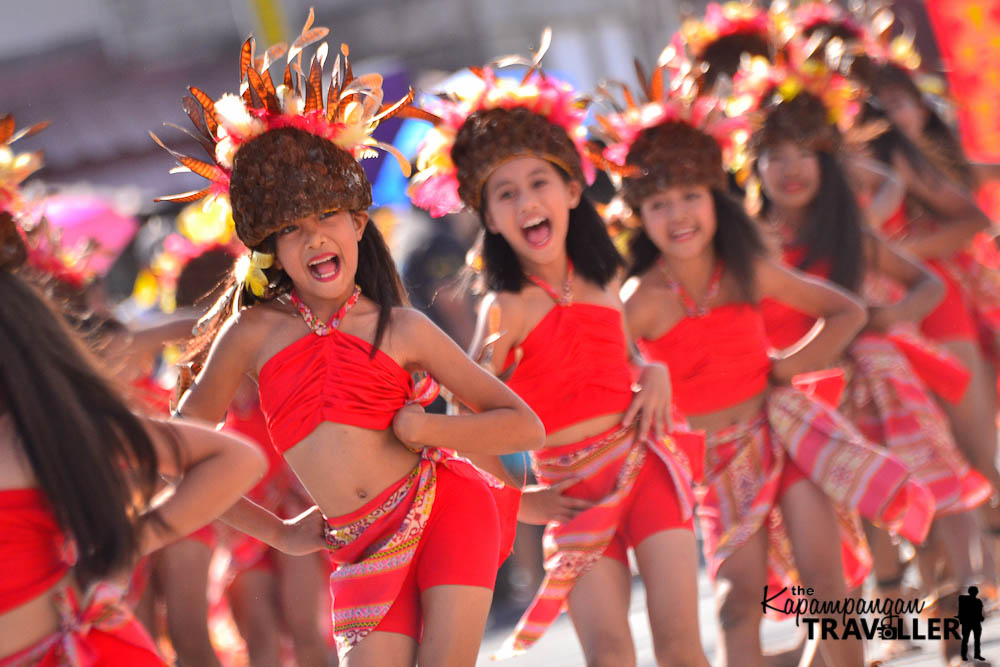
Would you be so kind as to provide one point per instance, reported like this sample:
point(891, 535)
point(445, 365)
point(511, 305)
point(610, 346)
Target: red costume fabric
point(437, 526)
point(34, 557)
point(330, 378)
point(329, 375)
point(715, 361)
point(34, 554)
point(971, 306)
point(611, 466)
point(575, 365)
point(888, 401)
point(750, 465)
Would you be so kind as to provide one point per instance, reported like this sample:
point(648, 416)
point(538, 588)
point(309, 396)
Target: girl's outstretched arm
point(842, 313)
point(950, 203)
point(651, 402)
point(231, 358)
point(502, 422)
point(214, 469)
point(924, 290)
point(886, 187)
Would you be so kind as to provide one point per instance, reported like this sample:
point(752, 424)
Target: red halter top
point(717, 357)
point(717, 360)
point(330, 375)
point(575, 363)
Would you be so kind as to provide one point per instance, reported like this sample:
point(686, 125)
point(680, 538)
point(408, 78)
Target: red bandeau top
point(34, 554)
point(574, 365)
point(252, 423)
point(330, 378)
point(715, 361)
point(785, 325)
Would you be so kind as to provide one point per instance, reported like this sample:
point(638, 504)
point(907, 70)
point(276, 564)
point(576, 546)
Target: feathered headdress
point(723, 20)
point(716, 42)
point(352, 109)
point(498, 119)
point(674, 136)
point(43, 247)
point(795, 99)
point(16, 167)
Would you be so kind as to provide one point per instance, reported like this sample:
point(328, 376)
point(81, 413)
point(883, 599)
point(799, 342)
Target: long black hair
point(92, 457)
point(833, 231)
point(736, 242)
point(588, 246)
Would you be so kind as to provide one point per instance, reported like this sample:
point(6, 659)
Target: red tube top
point(330, 378)
point(253, 424)
point(575, 366)
point(715, 361)
point(785, 325)
point(34, 555)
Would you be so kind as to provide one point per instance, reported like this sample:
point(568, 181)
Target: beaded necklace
point(566, 298)
point(319, 327)
point(690, 307)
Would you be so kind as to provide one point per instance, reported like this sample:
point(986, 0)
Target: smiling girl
point(415, 533)
point(551, 324)
point(774, 508)
point(811, 209)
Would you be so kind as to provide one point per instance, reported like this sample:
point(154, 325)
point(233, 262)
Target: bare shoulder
point(641, 302)
point(503, 311)
point(256, 322)
point(406, 320)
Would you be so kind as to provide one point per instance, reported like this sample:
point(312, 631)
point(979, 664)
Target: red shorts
point(790, 474)
point(459, 547)
point(651, 507)
point(952, 319)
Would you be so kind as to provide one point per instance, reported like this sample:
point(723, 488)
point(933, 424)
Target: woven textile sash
point(103, 612)
point(890, 406)
point(572, 548)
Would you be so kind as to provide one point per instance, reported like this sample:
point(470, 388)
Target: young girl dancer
point(75, 491)
point(414, 531)
point(809, 205)
point(552, 325)
point(777, 460)
point(939, 223)
point(260, 580)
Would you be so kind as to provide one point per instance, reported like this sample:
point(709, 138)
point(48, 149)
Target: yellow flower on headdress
point(208, 221)
point(250, 271)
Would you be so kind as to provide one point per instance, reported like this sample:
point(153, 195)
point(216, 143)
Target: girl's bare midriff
point(583, 430)
point(714, 422)
point(344, 467)
point(29, 623)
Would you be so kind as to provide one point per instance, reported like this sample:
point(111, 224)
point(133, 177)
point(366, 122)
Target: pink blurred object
point(80, 218)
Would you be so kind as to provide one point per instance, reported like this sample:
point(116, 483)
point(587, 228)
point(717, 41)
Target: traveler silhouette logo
point(970, 615)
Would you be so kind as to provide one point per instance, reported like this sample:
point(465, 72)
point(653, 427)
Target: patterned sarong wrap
point(572, 548)
point(890, 405)
point(375, 551)
point(101, 631)
point(938, 369)
point(977, 270)
point(743, 470)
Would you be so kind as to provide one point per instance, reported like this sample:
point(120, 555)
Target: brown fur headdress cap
point(669, 154)
point(286, 174)
point(491, 137)
point(804, 120)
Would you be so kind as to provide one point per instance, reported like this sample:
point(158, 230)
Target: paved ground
point(559, 647)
